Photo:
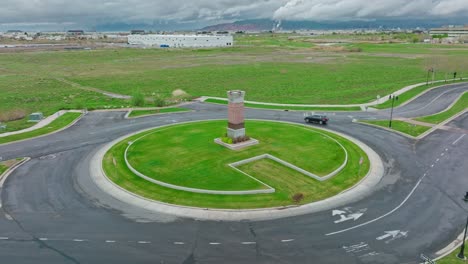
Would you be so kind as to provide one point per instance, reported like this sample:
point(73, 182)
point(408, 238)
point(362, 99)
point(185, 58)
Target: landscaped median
point(459, 106)
point(59, 123)
point(147, 112)
point(410, 129)
point(186, 155)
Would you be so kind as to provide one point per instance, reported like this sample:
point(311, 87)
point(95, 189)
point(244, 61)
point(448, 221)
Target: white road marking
point(78, 240)
point(446, 149)
point(437, 160)
point(442, 154)
point(382, 216)
point(143, 242)
point(432, 165)
point(110, 241)
point(287, 240)
point(43, 239)
point(456, 141)
point(248, 243)
point(4, 238)
point(179, 243)
point(349, 217)
point(215, 243)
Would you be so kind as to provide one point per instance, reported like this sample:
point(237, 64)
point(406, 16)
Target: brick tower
point(236, 127)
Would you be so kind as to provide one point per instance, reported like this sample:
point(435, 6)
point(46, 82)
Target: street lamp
point(393, 98)
point(428, 73)
point(461, 255)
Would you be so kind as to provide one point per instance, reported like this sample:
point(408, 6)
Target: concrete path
point(44, 122)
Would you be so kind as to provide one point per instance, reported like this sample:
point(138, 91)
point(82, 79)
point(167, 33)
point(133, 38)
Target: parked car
point(320, 119)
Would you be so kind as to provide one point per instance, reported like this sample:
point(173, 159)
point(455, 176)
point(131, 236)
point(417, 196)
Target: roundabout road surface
point(53, 213)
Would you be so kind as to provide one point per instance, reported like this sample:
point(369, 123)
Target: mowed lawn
point(191, 158)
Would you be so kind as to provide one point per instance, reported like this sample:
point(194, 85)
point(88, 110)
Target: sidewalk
point(44, 122)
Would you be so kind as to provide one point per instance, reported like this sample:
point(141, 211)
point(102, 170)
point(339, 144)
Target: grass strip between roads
point(286, 181)
point(452, 258)
point(459, 106)
point(136, 113)
point(404, 97)
point(296, 108)
point(55, 125)
point(401, 126)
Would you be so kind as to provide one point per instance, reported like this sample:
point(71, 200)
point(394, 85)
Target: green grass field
point(57, 124)
point(452, 259)
point(136, 113)
point(173, 164)
point(401, 126)
point(459, 106)
point(270, 67)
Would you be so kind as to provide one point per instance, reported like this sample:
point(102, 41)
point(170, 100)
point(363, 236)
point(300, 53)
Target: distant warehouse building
point(181, 41)
point(451, 31)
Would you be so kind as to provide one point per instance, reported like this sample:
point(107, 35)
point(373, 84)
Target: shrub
point(159, 101)
point(138, 99)
point(297, 197)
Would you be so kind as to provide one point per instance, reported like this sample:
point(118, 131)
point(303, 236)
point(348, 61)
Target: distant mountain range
point(266, 24)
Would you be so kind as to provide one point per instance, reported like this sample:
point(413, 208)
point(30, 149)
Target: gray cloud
point(365, 9)
point(190, 11)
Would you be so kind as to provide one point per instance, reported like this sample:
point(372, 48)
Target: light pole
point(461, 255)
point(393, 98)
point(428, 74)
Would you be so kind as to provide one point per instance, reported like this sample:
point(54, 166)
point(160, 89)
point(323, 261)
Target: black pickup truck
point(321, 119)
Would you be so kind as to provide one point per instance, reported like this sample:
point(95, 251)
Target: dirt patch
point(179, 93)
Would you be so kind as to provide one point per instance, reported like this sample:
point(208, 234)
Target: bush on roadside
point(159, 101)
point(138, 99)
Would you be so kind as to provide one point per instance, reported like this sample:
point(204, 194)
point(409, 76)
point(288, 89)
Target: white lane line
point(248, 243)
point(43, 239)
point(179, 243)
point(442, 154)
point(4, 238)
point(78, 240)
point(432, 165)
point(143, 242)
point(456, 141)
point(437, 160)
point(215, 243)
point(110, 241)
point(382, 216)
point(287, 240)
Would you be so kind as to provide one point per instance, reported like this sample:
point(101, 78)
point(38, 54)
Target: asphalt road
point(53, 213)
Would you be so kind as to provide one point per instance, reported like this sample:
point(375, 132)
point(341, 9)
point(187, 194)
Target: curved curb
point(10, 170)
point(357, 192)
point(48, 134)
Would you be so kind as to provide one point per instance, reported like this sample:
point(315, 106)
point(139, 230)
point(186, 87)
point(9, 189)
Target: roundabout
point(63, 209)
point(342, 161)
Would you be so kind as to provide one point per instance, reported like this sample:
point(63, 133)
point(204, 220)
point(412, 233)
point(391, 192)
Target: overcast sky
point(87, 12)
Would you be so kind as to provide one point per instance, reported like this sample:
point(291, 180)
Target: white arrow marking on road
point(350, 217)
point(392, 234)
point(338, 212)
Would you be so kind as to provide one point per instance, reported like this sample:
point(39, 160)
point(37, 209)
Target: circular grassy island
point(186, 156)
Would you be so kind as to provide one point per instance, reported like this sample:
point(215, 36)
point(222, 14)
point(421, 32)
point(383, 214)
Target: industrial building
point(451, 31)
point(181, 41)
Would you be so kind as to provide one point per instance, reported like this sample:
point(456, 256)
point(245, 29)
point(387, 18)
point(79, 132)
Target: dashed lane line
point(215, 243)
point(287, 240)
point(179, 243)
point(248, 243)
